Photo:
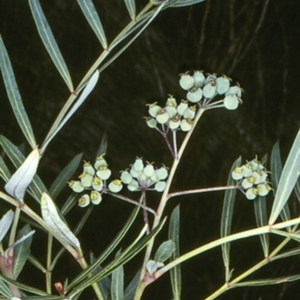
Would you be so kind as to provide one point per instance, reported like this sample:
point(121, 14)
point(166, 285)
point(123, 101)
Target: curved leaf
point(20, 180)
point(164, 251)
point(117, 283)
point(288, 179)
point(5, 223)
point(14, 96)
point(49, 42)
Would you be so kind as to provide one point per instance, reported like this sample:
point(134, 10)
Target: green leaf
point(5, 223)
point(164, 251)
point(4, 290)
point(103, 145)
point(260, 209)
point(130, 5)
point(18, 183)
point(36, 187)
point(117, 283)
point(49, 42)
point(297, 189)
point(53, 220)
point(226, 219)
point(14, 95)
point(288, 179)
point(21, 251)
point(175, 273)
point(65, 175)
point(92, 17)
point(4, 172)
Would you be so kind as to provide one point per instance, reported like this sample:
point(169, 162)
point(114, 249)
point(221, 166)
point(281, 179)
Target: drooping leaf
point(53, 220)
point(36, 187)
point(92, 17)
point(226, 219)
point(20, 180)
point(50, 42)
point(14, 95)
point(288, 179)
point(175, 273)
point(5, 223)
point(65, 175)
point(22, 250)
point(130, 5)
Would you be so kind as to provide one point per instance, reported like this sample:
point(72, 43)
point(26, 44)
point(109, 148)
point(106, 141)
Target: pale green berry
point(97, 184)
point(186, 81)
point(231, 102)
point(76, 186)
point(209, 89)
point(235, 90)
point(115, 186)
point(133, 186)
point(172, 111)
point(247, 182)
point(171, 102)
point(223, 85)
point(87, 168)
point(160, 186)
point(174, 123)
point(151, 122)
point(210, 78)
point(194, 96)
point(182, 107)
point(103, 172)
point(190, 112)
point(161, 173)
point(199, 79)
point(263, 189)
point(126, 177)
point(153, 109)
point(138, 165)
point(186, 124)
point(84, 200)
point(148, 170)
point(251, 193)
point(96, 197)
point(86, 180)
point(100, 161)
point(162, 116)
point(237, 173)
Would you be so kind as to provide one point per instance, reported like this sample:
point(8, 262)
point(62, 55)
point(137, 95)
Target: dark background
point(254, 42)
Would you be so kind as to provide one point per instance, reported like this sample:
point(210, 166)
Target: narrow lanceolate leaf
point(260, 209)
point(49, 42)
point(175, 273)
point(131, 288)
point(18, 183)
point(53, 220)
point(4, 290)
point(5, 223)
point(86, 91)
point(117, 283)
point(226, 220)
point(22, 250)
point(14, 95)
point(288, 179)
point(92, 17)
point(130, 4)
point(4, 172)
point(103, 145)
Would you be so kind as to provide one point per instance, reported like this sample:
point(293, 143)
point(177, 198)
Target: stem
point(48, 263)
point(164, 199)
point(204, 190)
